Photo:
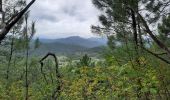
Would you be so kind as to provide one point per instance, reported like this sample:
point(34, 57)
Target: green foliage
point(125, 71)
point(164, 30)
point(112, 81)
point(85, 61)
point(37, 43)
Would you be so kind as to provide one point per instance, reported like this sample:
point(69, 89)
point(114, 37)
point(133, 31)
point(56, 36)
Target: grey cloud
point(71, 11)
point(62, 18)
point(47, 18)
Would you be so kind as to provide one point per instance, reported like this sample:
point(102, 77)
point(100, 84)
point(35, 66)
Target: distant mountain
point(58, 48)
point(47, 40)
point(70, 45)
point(76, 40)
point(102, 41)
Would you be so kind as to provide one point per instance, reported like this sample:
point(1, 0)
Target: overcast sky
point(63, 18)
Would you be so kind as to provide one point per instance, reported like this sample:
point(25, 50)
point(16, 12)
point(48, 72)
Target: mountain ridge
point(76, 40)
point(70, 45)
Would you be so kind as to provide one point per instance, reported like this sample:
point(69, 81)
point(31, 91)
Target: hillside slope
point(79, 41)
point(70, 45)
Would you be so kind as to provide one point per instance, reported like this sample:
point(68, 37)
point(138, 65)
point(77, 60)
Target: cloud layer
point(63, 18)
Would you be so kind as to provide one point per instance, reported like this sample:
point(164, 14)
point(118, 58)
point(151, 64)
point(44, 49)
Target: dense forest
point(134, 65)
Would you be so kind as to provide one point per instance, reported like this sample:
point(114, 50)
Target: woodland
point(135, 64)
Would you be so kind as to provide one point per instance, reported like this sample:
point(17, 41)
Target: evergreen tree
point(164, 30)
point(133, 18)
point(85, 61)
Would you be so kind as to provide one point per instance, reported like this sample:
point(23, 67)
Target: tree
point(85, 61)
point(8, 24)
point(15, 31)
point(37, 43)
point(164, 30)
point(134, 17)
point(28, 33)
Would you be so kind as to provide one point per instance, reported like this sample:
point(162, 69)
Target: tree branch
point(156, 55)
point(13, 21)
point(158, 42)
point(56, 92)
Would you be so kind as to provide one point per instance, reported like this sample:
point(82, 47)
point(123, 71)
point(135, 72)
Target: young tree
point(28, 34)
point(85, 61)
point(15, 33)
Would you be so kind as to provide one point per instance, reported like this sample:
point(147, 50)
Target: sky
point(64, 18)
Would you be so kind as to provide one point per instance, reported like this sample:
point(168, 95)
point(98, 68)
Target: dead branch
point(56, 92)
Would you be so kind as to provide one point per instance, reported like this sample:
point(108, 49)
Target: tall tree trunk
point(2, 14)
point(26, 67)
point(0, 5)
point(140, 34)
point(26, 75)
point(10, 56)
point(134, 26)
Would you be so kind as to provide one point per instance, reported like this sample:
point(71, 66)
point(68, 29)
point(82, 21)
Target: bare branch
point(56, 92)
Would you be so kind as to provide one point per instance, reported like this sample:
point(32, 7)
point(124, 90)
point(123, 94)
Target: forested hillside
point(76, 40)
point(132, 62)
point(70, 45)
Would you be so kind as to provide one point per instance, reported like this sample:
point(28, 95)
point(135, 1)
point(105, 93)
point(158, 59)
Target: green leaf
point(153, 90)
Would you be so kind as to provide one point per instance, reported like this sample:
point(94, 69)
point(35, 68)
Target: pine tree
point(85, 61)
point(164, 30)
point(133, 18)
